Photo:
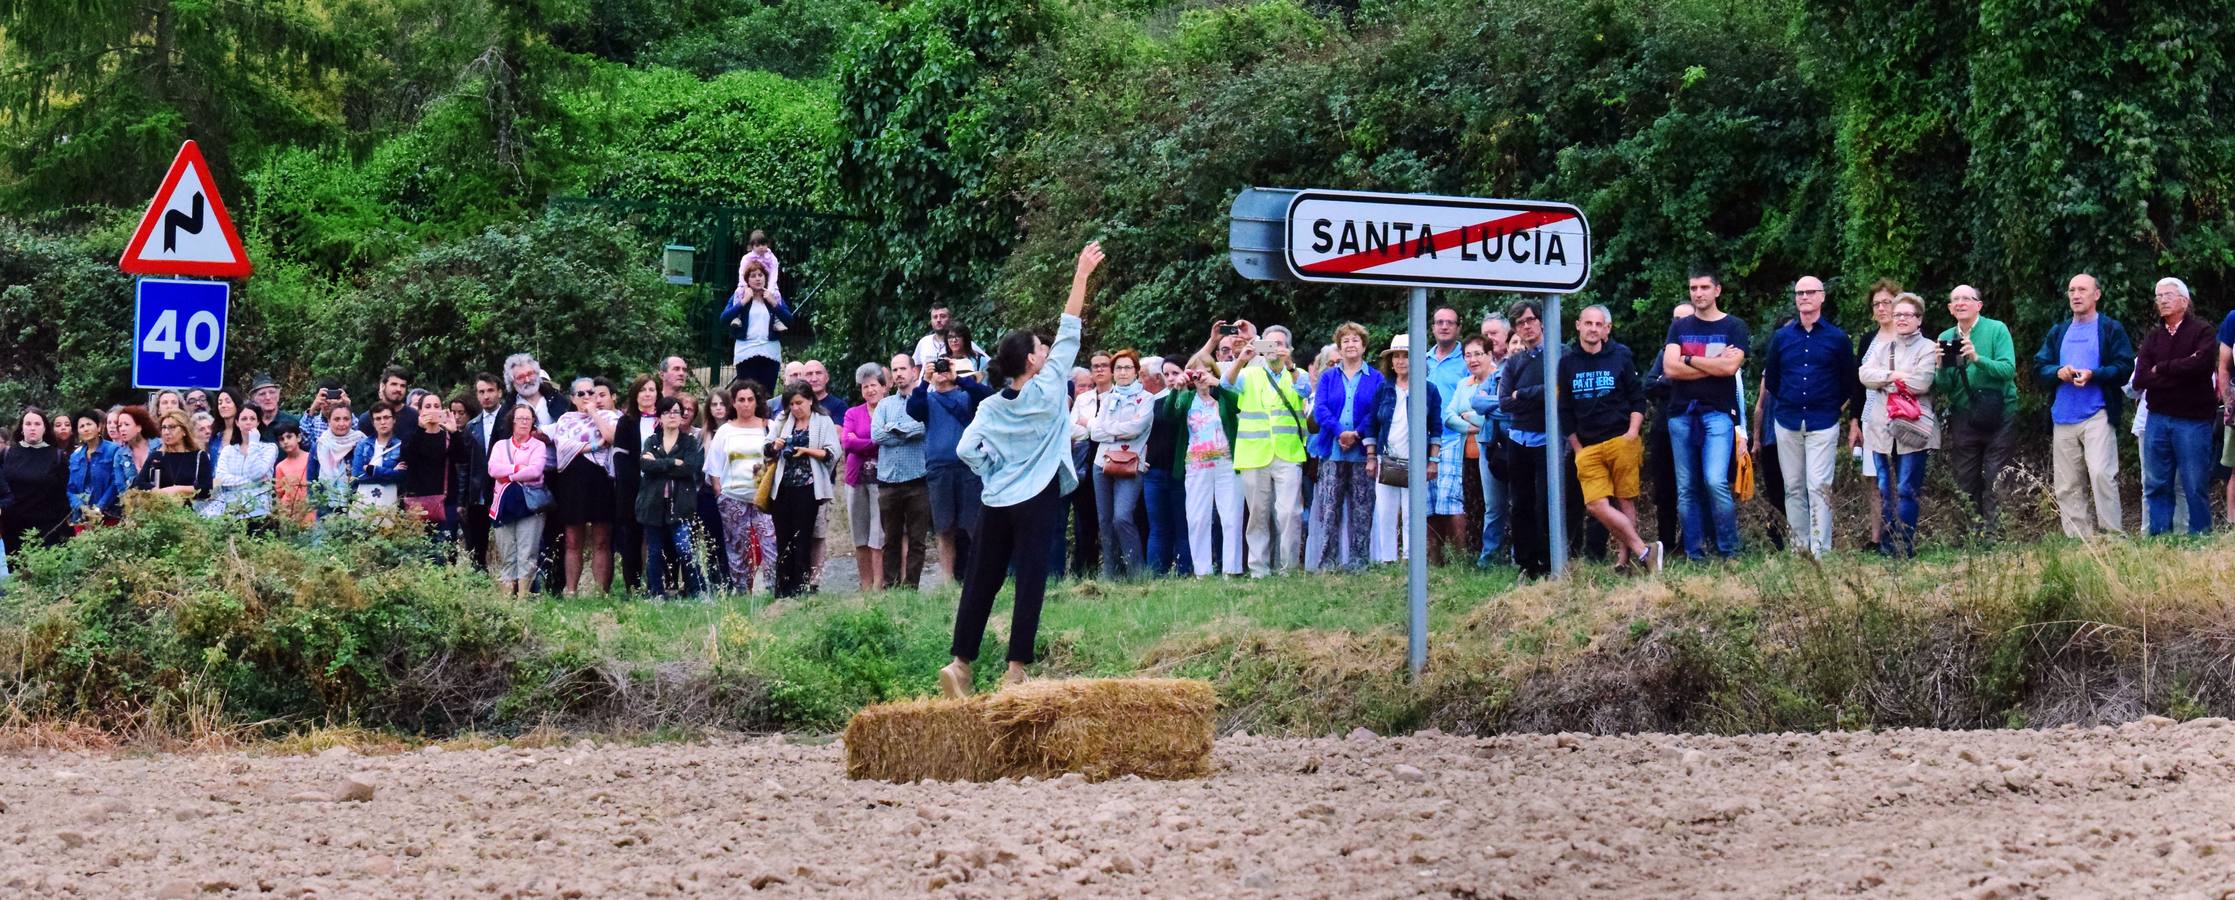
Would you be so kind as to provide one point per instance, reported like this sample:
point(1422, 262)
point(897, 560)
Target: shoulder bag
point(1303, 430)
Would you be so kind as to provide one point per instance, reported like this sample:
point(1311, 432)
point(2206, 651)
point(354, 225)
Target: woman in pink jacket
point(860, 445)
point(516, 509)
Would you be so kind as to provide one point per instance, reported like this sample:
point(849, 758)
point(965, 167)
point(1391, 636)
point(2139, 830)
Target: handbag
point(1395, 472)
point(1304, 431)
point(1742, 474)
point(429, 508)
point(1905, 418)
point(764, 487)
point(1121, 463)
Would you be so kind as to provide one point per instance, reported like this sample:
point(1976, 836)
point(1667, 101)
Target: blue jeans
point(1115, 502)
point(2176, 446)
point(663, 542)
point(1900, 476)
point(1166, 497)
point(1494, 501)
point(1703, 450)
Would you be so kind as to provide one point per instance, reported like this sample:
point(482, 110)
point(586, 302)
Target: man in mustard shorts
point(1602, 408)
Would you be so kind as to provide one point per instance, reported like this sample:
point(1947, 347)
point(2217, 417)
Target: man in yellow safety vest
point(1269, 447)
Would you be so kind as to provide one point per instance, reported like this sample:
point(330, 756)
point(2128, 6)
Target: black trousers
point(794, 513)
point(1978, 448)
point(1769, 487)
point(1525, 485)
point(1009, 537)
point(1660, 470)
point(475, 532)
point(628, 544)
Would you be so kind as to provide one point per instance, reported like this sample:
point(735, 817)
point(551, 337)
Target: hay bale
point(1099, 728)
point(915, 740)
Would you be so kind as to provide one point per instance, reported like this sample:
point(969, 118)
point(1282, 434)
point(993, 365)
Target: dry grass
point(1099, 728)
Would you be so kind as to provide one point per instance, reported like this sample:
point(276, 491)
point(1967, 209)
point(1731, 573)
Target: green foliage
point(1682, 130)
point(91, 90)
point(922, 107)
point(740, 139)
point(2011, 145)
point(175, 610)
point(792, 38)
point(65, 315)
point(577, 290)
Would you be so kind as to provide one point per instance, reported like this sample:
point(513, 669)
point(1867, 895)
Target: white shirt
point(932, 346)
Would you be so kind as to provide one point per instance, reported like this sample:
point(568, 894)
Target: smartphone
point(1229, 329)
point(1264, 347)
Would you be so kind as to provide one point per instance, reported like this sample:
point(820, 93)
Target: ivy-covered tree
point(93, 90)
point(920, 102)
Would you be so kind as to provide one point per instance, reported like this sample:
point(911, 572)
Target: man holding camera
point(945, 403)
point(1978, 368)
point(1268, 448)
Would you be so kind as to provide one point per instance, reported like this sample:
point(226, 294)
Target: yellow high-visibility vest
point(1264, 428)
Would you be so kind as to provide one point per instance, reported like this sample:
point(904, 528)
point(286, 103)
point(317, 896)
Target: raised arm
point(1090, 259)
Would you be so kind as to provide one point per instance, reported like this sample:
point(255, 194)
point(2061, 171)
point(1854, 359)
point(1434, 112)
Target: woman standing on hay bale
point(1020, 447)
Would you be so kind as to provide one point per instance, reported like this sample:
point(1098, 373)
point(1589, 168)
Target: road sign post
point(1421, 242)
point(178, 335)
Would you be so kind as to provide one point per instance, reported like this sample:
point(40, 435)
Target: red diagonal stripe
point(1445, 240)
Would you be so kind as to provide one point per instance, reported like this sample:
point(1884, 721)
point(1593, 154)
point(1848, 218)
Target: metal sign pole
point(1416, 492)
point(1555, 479)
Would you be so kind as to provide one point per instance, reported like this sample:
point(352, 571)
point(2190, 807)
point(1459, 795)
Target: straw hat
point(1399, 344)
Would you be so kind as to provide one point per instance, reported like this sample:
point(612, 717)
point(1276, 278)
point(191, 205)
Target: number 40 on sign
point(179, 333)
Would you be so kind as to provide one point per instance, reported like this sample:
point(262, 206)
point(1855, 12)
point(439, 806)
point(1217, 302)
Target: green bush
point(173, 611)
point(578, 290)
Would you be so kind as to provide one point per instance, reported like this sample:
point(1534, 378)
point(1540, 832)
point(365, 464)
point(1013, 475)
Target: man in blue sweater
point(945, 404)
point(2085, 360)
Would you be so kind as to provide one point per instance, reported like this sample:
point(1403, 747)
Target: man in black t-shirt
point(1701, 361)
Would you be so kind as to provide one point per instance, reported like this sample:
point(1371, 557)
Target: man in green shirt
point(1979, 366)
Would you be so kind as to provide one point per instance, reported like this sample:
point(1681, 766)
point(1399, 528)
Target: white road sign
point(1419, 240)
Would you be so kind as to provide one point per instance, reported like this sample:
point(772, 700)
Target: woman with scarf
point(332, 448)
point(36, 504)
point(242, 485)
point(93, 482)
point(517, 502)
point(582, 492)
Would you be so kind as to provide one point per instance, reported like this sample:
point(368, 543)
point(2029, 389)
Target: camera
point(942, 366)
point(1229, 329)
point(1951, 353)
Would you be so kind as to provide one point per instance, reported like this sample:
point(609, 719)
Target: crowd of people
point(1233, 458)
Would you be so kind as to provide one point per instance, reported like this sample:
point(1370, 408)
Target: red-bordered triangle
point(186, 230)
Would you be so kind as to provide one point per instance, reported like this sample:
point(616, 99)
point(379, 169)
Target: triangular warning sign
point(186, 230)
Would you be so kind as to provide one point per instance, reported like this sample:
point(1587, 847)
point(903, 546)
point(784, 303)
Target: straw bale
point(1100, 728)
point(1106, 728)
point(915, 740)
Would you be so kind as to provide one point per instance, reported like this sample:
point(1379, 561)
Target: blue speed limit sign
point(179, 333)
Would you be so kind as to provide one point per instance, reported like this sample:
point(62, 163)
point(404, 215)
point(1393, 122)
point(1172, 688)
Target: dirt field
point(2144, 810)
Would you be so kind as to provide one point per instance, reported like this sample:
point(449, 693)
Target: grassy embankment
point(173, 626)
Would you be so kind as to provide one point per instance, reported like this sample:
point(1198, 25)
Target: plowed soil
point(2147, 809)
